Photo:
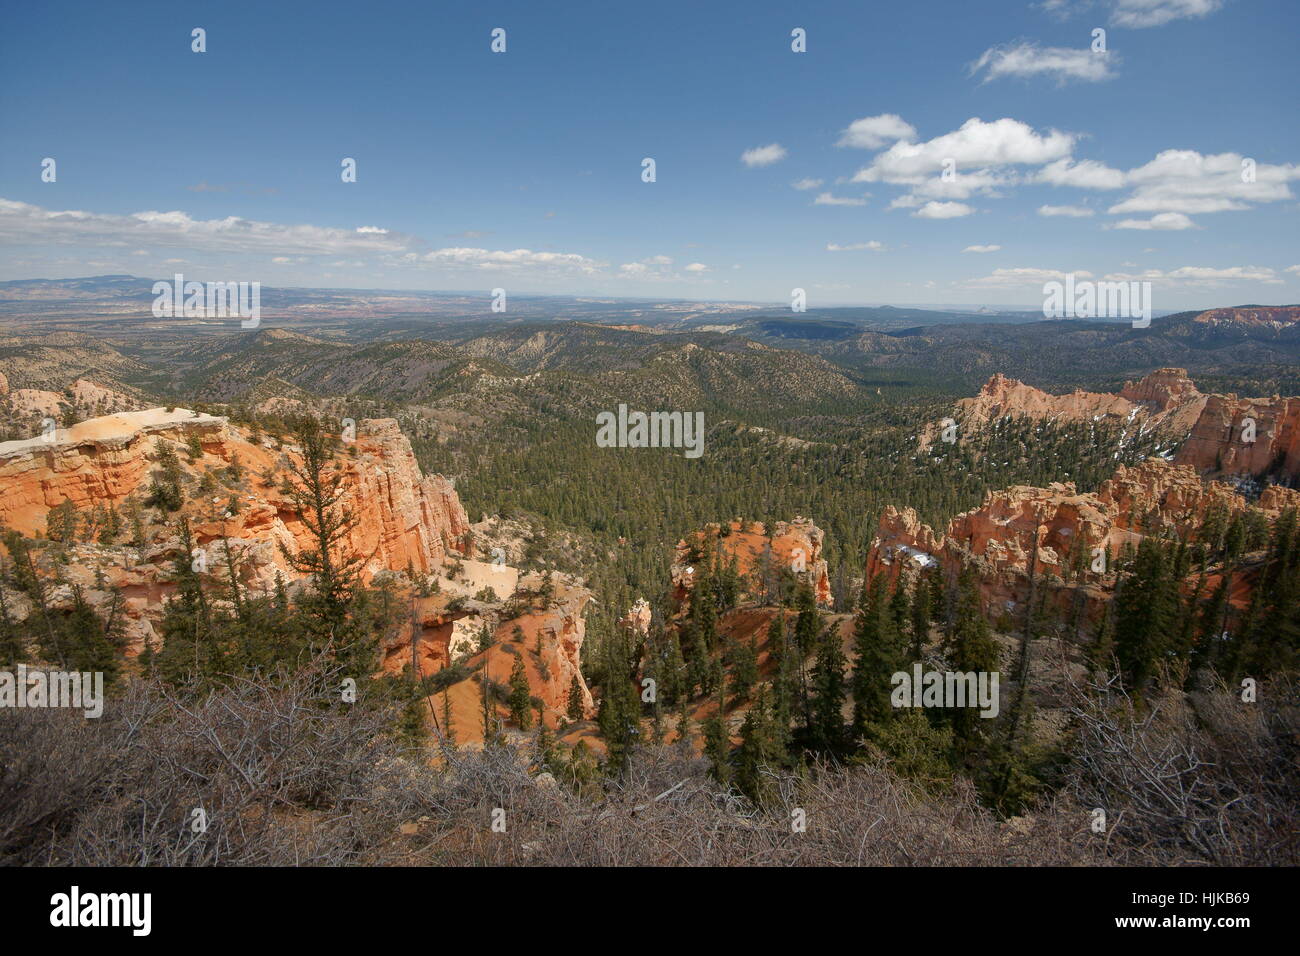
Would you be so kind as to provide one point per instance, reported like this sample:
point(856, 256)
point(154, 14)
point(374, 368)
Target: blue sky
point(523, 169)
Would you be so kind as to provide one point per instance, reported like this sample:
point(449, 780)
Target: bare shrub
point(286, 773)
point(282, 771)
point(1200, 778)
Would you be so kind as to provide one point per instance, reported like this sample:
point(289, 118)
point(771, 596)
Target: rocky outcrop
point(99, 461)
point(1070, 531)
point(547, 633)
point(1253, 437)
point(637, 619)
point(756, 555)
point(1165, 397)
point(1275, 317)
point(404, 520)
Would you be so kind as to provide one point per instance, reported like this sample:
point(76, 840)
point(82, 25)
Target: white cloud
point(981, 249)
point(1086, 174)
point(697, 267)
point(22, 222)
point(1023, 277)
point(1154, 13)
point(1295, 269)
point(514, 259)
point(1205, 277)
point(1162, 221)
point(872, 245)
point(1136, 14)
point(826, 199)
point(1078, 212)
point(807, 183)
point(1029, 59)
point(873, 132)
point(1183, 180)
point(763, 155)
point(943, 210)
point(976, 144)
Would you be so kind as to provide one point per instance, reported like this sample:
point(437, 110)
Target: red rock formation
point(1165, 396)
point(1278, 317)
point(1245, 436)
point(793, 544)
point(996, 537)
point(404, 519)
point(99, 461)
point(549, 639)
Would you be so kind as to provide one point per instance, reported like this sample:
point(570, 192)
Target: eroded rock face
point(1246, 436)
point(1277, 317)
point(1164, 397)
point(99, 461)
point(796, 545)
point(637, 619)
point(548, 636)
point(405, 520)
point(997, 538)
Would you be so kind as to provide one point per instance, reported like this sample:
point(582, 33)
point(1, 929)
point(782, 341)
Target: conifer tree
point(520, 695)
point(828, 694)
point(879, 651)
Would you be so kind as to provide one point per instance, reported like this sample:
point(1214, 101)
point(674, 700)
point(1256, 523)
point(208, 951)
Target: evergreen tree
point(520, 695)
point(828, 694)
point(879, 649)
point(1144, 614)
point(971, 649)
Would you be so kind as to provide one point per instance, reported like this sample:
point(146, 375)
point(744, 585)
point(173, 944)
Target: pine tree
point(828, 694)
point(575, 708)
point(1144, 614)
point(717, 745)
point(879, 651)
point(761, 749)
point(520, 695)
point(972, 649)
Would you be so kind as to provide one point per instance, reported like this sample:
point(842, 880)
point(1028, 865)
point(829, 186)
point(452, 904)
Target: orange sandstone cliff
point(997, 538)
point(756, 553)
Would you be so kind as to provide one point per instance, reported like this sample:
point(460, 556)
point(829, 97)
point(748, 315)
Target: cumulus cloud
point(807, 183)
point(943, 210)
point(981, 249)
point(826, 199)
point(1087, 174)
point(871, 245)
point(660, 269)
point(1026, 59)
point(763, 155)
point(873, 132)
point(1162, 221)
point(1077, 212)
point(1183, 180)
point(975, 145)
